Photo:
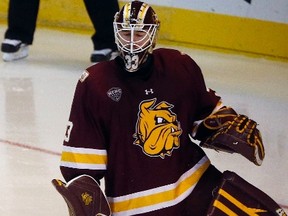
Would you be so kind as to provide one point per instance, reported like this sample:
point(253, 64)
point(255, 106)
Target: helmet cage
point(135, 29)
point(141, 37)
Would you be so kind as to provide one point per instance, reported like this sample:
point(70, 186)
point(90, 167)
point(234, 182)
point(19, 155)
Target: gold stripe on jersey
point(161, 197)
point(83, 158)
point(235, 202)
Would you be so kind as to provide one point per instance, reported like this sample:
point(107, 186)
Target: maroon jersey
point(133, 129)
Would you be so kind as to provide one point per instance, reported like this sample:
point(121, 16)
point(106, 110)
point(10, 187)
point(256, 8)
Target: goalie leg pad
point(83, 196)
point(236, 196)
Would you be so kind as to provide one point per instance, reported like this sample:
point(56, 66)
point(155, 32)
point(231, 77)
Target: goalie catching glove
point(231, 133)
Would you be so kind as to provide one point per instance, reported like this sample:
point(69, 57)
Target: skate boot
point(103, 55)
point(13, 50)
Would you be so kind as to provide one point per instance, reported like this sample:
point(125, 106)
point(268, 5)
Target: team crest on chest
point(115, 93)
point(157, 129)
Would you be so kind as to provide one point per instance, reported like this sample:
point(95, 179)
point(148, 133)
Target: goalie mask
point(135, 29)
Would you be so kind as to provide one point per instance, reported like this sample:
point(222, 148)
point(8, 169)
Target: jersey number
point(68, 131)
point(131, 62)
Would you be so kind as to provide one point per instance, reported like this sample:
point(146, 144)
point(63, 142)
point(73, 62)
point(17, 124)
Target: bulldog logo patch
point(157, 129)
point(115, 93)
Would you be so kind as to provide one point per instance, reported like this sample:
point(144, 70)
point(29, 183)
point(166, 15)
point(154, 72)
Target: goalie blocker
point(83, 196)
point(228, 131)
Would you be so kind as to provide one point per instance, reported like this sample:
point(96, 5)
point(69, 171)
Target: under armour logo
point(147, 92)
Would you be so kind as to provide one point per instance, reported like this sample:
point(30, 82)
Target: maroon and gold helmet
point(135, 29)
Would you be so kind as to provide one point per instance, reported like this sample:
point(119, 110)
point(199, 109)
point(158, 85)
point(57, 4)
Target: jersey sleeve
point(207, 98)
point(209, 102)
point(84, 150)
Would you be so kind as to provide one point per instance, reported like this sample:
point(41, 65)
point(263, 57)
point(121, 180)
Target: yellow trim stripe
point(160, 197)
point(83, 158)
point(244, 208)
point(224, 208)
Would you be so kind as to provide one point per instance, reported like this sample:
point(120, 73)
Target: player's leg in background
point(22, 17)
point(102, 14)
